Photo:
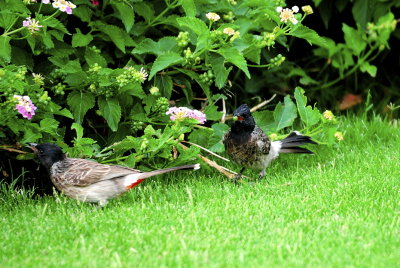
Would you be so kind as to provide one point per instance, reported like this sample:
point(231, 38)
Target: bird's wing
point(260, 140)
point(82, 172)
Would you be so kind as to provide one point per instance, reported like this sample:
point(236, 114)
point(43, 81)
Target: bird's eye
point(40, 151)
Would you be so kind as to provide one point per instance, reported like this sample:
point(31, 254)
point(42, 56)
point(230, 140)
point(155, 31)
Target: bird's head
point(244, 119)
point(47, 153)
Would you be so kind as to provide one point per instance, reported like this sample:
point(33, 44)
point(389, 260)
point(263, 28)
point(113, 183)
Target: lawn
point(338, 208)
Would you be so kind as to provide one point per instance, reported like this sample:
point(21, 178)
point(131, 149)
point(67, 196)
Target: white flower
point(229, 31)
point(279, 9)
point(213, 16)
point(295, 9)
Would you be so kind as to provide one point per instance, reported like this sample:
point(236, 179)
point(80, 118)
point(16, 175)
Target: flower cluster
point(25, 106)
point(212, 16)
point(180, 113)
point(339, 135)
point(31, 24)
point(287, 14)
point(64, 6)
point(328, 115)
point(130, 74)
point(38, 79)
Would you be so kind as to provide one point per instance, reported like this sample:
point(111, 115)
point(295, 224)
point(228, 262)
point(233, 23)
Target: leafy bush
point(103, 75)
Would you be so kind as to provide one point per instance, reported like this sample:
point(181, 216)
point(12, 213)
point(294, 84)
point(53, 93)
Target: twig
point(228, 173)
point(255, 108)
point(208, 151)
point(258, 106)
point(223, 111)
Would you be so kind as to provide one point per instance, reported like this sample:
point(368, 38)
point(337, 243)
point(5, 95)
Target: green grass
point(338, 208)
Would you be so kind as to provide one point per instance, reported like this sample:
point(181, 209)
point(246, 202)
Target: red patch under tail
point(135, 184)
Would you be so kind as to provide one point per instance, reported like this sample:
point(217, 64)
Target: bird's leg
point(238, 176)
point(262, 174)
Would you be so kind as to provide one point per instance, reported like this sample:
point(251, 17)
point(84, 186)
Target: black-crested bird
point(89, 181)
point(248, 146)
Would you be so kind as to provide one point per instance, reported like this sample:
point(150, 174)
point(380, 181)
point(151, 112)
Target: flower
point(213, 16)
point(64, 6)
point(46, 1)
point(140, 76)
point(339, 135)
point(307, 9)
point(38, 79)
point(180, 113)
point(229, 31)
point(95, 2)
point(32, 25)
point(328, 115)
point(288, 14)
point(25, 106)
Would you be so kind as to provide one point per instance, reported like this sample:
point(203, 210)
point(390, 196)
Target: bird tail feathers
point(291, 143)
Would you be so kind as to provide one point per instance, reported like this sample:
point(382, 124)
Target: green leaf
point(362, 11)
point(81, 40)
point(193, 24)
point(92, 57)
point(79, 130)
point(133, 89)
point(354, 39)
point(163, 45)
point(164, 61)
point(370, 69)
point(284, 115)
point(5, 48)
point(49, 125)
point(111, 111)
point(220, 72)
point(306, 33)
point(80, 103)
point(72, 67)
point(116, 35)
point(196, 77)
point(126, 14)
point(233, 55)
point(145, 10)
point(53, 23)
point(385, 26)
point(265, 120)
point(30, 135)
point(164, 83)
point(189, 7)
point(212, 113)
point(308, 115)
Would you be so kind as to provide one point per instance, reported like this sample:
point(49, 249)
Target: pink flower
point(46, 1)
point(25, 106)
point(180, 113)
point(32, 25)
point(95, 2)
point(64, 6)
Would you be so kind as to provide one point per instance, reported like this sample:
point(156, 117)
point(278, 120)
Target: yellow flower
point(328, 115)
point(307, 9)
point(339, 135)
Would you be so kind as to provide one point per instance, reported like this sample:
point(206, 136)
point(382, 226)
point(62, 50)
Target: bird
point(247, 145)
point(89, 181)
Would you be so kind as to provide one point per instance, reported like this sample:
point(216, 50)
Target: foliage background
point(94, 97)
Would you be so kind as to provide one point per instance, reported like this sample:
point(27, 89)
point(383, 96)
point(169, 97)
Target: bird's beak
point(32, 146)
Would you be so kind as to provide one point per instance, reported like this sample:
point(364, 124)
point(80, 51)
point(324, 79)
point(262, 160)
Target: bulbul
point(89, 181)
point(248, 146)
